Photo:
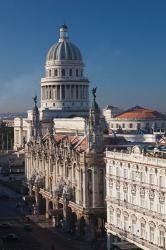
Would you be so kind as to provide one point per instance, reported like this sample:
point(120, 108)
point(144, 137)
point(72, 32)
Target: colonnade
point(65, 92)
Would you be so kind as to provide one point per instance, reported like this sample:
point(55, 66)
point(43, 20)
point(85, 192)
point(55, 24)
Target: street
point(37, 239)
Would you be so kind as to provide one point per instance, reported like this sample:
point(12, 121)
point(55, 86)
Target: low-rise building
point(138, 119)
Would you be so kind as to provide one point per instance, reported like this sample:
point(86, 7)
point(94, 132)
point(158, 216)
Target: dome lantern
point(63, 33)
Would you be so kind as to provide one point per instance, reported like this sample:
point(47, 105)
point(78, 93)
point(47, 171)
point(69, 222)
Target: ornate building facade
point(66, 173)
point(136, 191)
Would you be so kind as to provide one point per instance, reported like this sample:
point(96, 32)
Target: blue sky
point(123, 43)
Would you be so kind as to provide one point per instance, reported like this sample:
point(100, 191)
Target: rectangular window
point(58, 92)
point(123, 125)
point(147, 125)
point(130, 125)
point(125, 223)
point(117, 171)
point(162, 125)
point(125, 197)
point(133, 175)
point(161, 208)
point(125, 173)
point(152, 205)
point(152, 234)
point(63, 91)
point(151, 178)
point(161, 181)
point(142, 177)
point(133, 199)
point(111, 216)
point(118, 220)
point(142, 230)
point(118, 194)
point(142, 202)
point(76, 92)
point(162, 239)
point(138, 125)
point(133, 226)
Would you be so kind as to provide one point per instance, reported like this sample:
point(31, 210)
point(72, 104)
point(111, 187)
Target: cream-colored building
point(136, 119)
point(135, 195)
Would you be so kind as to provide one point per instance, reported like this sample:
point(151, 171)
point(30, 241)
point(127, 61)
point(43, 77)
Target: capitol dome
point(64, 49)
point(64, 89)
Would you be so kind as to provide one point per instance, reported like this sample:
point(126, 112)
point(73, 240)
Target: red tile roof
point(140, 113)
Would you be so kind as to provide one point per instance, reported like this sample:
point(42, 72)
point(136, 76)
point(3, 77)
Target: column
point(69, 92)
point(47, 209)
point(55, 92)
point(60, 92)
point(37, 204)
point(85, 197)
point(81, 92)
point(95, 187)
point(43, 93)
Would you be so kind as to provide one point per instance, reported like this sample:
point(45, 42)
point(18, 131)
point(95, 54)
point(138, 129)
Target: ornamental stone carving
point(142, 192)
point(125, 187)
point(133, 189)
point(151, 194)
point(118, 185)
point(162, 197)
point(111, 183)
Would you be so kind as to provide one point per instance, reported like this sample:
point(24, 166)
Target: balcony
point(140, 242)
point(135, 208)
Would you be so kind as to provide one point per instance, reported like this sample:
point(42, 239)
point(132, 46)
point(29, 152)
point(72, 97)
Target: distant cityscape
point(12, 115)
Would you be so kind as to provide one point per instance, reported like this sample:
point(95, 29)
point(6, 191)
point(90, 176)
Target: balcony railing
point(138, 209)
point(137, 158)
point(132, 237)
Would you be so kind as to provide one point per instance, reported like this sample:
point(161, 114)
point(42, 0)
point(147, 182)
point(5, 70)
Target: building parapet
point(137, 158)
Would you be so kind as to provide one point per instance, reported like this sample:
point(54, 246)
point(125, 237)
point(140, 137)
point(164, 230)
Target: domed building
point(64, 93)
point(64, 90)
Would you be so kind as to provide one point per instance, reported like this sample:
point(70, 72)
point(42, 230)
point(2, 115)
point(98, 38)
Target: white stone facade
point(64, 87)
point(134, 124)
point(135, 195)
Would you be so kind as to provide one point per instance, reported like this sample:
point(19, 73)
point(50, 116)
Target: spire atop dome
point(63, 32)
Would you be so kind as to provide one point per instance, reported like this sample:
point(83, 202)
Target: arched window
point(162, 236)
point(142, 226)
point(70, 72)
point(63, 72)
point(152, 227)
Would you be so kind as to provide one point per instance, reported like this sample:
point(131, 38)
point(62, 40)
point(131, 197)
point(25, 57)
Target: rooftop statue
point(94, 93)
point(35, 100)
